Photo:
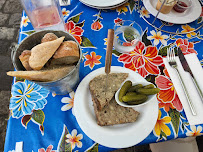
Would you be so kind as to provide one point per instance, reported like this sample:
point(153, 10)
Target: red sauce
point(178, 7)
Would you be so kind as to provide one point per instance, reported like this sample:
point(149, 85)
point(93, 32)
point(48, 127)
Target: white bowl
point(144, 82)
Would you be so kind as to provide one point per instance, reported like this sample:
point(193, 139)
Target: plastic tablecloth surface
point(44, 121)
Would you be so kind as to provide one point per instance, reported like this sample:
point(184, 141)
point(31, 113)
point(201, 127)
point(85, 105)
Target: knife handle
point(197, 87)
point(109, 51)
point(192, 108)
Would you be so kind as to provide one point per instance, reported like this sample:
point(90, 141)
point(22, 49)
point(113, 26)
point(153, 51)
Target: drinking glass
point(44, 14)
point(127, 34)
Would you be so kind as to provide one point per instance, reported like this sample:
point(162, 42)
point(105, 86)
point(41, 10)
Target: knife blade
point(186, 67)
point(184, 62)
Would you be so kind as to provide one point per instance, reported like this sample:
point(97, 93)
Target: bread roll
point(67, 53)
point(41, 53)
point(43, 75)
point(24, 58)
point(49, 37)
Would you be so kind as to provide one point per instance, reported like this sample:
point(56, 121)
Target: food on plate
point(167, 7)
point(130, 93)
point(149, 86)
point(126, 86)
point(136, 94)
point(180, 7)
point(41, 53)
point(150, 91)
point(135, 87)
point(100, 93)
point(43, 75)
point(114, 114)
point(49, 37)
point(106, 109)
point(67, 53)
point(136, 98)
point(24, 58)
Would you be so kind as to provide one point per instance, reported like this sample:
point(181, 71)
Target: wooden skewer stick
point(109, 51)
point(109, 55)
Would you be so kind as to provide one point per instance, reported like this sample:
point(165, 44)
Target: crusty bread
point(43, 75)
point(103, 93)
point(67, 53)
point(49, 37)
point(24, 58)
point(65, 60)
point(41, 53)
point(114, 114)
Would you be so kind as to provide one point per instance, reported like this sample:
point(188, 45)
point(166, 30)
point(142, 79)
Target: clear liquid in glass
point(126, 38)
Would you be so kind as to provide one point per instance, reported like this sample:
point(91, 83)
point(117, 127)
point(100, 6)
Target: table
point(46, 121)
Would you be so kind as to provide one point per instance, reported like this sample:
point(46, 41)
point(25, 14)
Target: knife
point(187, 69)
point(108, 59)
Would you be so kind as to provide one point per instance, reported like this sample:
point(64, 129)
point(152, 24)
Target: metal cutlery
point(65, 2)
point(159, 11)
point(187, 69)
point(172, 63)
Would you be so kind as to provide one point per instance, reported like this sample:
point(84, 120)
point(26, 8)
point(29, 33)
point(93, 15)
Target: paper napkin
point(197, 71)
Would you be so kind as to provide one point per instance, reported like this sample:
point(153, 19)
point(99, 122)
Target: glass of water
point(126, 35)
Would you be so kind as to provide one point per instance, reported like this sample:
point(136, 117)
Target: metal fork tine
point(174, 55)
point(168, 54)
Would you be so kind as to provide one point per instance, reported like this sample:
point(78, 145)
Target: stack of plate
point(103, 4)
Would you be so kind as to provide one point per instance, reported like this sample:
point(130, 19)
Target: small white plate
point(144, 82)
point(103, 4)
point(116, 136)
point(188, 16)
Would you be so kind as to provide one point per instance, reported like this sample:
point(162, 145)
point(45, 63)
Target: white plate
point(102, 4)
point(117, 136)
point(108, 7)
point(188, 16)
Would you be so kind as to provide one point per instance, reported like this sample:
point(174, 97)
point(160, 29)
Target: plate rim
point(99, 139)
point(175, 20)
point(102, 6)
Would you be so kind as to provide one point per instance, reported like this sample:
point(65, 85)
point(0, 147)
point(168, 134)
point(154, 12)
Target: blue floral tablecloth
point(44, 121)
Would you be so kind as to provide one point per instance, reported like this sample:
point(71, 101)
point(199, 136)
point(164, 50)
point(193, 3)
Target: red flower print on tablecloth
point(186, 47)
point(96, 26)
point(92, 60)
point(49, 149)
point(76, 31)
point(177, 104)
point(167, 94)
point(117, 20)
point(166, 105)
point(167, 90)
point(143, 59)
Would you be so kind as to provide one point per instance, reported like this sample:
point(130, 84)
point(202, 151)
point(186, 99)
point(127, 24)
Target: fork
point(173, 64)
point(65, 2)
